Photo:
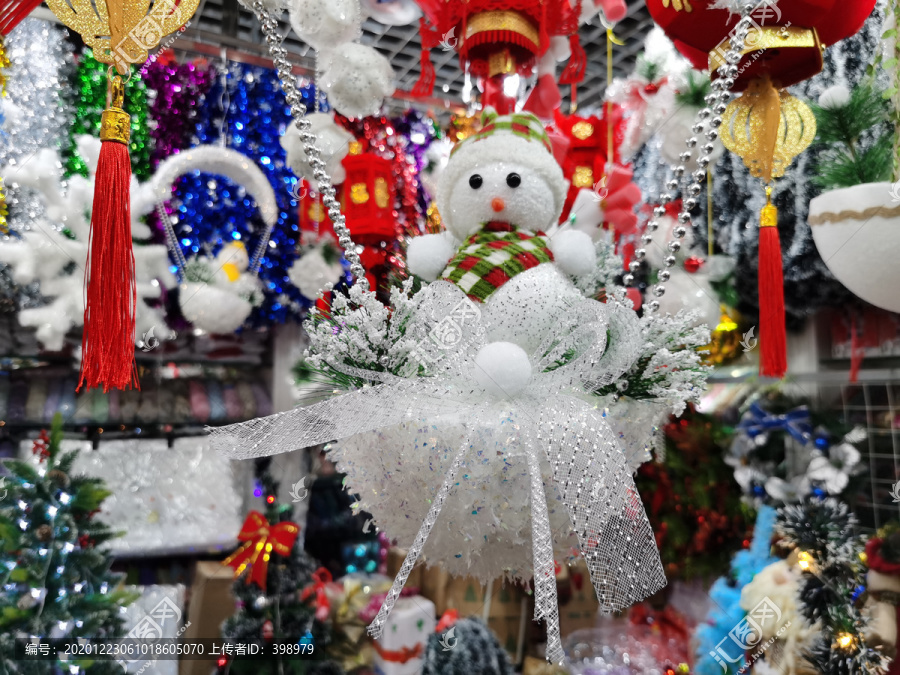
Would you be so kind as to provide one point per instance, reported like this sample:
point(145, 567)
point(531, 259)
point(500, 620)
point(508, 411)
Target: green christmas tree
point(281, 612)
point(853, 127)
point(55, 580)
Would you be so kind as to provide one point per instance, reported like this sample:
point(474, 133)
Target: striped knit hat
point(518, 138)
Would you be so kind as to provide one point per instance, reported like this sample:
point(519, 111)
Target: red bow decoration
point(321, 578)
point(262, 540)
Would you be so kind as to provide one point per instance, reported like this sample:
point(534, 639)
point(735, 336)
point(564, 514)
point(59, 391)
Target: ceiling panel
point(225, 22)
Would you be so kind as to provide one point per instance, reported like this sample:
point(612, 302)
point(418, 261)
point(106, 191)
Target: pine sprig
point(852, 127)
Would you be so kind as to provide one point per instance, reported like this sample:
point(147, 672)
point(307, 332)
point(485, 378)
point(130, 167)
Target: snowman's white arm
point(573, 252)
point(428, 254)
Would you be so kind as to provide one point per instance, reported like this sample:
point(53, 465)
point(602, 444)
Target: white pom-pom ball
point(332, 141)
point(502, 368)
point(311, 272)
point(428, 255)
point(356, 79)
point(326, 24)
point(573, 252)
point(836, 96)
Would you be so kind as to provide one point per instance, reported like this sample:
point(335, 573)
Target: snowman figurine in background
point(219, 293)
point(499, 195)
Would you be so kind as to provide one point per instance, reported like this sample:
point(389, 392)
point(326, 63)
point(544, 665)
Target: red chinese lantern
point(367, 200)
point(765, 127)
point(498, 39)
point(313, 216)
point(584, 161)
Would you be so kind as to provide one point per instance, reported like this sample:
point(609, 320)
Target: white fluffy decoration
point(332, 140)
point(43, 253)
point(392, 12)
point(310, 273)
point(356, 79)
point(216, 310)
point(836, 96)
point(326, 24)
point(427, 255)
point(219, 294)
point(502, 369)
point(219, 161)
point(535, 205)
point(573, 252)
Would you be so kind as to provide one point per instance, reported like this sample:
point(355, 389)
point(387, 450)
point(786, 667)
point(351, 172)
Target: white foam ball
point(502, 368)
point(573, 252)
point(311, 272)
point(325, 24)
point(356, 79)
point(427, 255)
point(836, 96)
point(333, 142)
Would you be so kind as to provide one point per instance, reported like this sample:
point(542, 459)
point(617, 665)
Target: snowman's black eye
point(475, 181)
point(514, 180)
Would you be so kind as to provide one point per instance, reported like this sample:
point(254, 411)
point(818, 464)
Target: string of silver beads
point(711, 117)
point(269, 27)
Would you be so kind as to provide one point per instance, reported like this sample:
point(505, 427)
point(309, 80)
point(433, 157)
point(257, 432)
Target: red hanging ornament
point(262, 540)
point(495, 40)
point(107, 343)
point(41, 446)
point(316, 590)
point(268, 631)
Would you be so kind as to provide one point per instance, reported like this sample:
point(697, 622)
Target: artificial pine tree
point(55, 580)
point(823, 534)
point(281, 611)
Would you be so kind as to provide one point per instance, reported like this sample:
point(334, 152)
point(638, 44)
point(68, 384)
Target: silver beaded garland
point(707, 122)
point(289, 85)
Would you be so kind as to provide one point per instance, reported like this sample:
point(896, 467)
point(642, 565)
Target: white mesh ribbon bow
point(550, 446)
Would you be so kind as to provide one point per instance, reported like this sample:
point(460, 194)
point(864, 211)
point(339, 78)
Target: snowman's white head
point(504, 173)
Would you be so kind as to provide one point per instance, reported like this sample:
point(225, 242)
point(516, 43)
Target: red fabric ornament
point(262, 540)
point(268, 630)
point(697, 30)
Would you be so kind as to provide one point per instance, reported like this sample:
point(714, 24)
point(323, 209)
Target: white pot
point(857, 232)
point(212, 309)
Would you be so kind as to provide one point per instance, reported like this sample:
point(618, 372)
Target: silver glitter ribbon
point(572, 455)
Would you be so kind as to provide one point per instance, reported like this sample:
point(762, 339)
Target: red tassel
point(772, 337)
point(107, 344)
point(573, 73)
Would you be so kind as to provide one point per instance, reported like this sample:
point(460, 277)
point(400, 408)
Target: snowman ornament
point(500, 192)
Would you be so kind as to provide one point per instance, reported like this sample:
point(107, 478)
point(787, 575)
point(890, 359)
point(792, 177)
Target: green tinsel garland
point(88, 97)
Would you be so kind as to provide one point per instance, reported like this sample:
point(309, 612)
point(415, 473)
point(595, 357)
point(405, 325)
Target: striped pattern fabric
point(525, 125)
point(494, 255)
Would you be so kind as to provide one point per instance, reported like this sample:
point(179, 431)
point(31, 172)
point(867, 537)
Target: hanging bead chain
point(289, 85)
point(717, 102)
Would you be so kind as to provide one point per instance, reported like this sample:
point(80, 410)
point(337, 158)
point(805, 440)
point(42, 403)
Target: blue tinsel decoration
point(726, 594)
point(249, 109)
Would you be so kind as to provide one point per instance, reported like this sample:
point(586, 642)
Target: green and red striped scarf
point(494, 255)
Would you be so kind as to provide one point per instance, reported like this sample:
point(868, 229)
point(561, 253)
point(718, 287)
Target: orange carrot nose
point(498, 204)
